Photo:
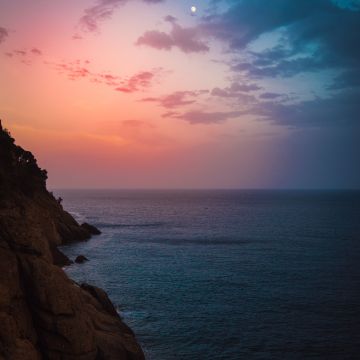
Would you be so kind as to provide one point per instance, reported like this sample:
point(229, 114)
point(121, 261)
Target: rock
point(59, 258)
point(69, 229)
point(101, 296)
point(44, 314)
point(91, 229)
point(81, 259)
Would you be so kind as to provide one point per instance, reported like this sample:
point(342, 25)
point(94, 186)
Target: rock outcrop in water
point(80, 259)
point(44, 314)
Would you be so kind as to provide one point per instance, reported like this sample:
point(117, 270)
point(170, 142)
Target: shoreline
point(44, 313)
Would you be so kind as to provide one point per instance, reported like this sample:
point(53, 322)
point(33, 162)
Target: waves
point(79, 217)
point(139, 225)
point(200, 242)
point(262, 275)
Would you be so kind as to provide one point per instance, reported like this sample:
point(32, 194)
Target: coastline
point(45, 314)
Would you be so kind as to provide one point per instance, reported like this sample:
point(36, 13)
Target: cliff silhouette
point(43, 313)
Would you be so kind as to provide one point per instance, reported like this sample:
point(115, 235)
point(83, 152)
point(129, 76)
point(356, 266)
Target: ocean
point(227, 274)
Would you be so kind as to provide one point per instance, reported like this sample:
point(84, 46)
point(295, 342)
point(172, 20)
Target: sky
point(147, 94)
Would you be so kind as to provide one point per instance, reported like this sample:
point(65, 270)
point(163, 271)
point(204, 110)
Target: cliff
point(44, 314)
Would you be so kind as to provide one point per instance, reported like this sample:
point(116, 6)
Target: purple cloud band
point(174, 100)
point(204, 117)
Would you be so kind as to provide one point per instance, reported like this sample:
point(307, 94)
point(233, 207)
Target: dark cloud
point(246, 20)
point(176, 99)
point(307, 36)
point(3, 34)
point(342, 110)
point(347, 79)
point(315, 35)
point(348, 4)
point(281, 68)
point(101, 11)
point(185, 39)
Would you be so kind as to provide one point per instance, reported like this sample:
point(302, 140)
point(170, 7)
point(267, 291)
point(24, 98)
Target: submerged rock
point(44, 314)
point(81, 259)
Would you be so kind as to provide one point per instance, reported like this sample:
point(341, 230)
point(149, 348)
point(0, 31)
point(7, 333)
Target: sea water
point(226, 274)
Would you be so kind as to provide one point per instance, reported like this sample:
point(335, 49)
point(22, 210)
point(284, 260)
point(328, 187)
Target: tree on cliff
point(19, 166)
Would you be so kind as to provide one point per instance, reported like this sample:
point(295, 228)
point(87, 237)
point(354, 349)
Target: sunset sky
point(146, 94)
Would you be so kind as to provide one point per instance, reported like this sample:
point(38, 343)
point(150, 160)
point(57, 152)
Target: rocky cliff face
point(44, 314)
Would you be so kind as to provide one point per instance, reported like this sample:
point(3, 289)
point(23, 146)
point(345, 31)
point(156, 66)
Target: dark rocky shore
point(44, 314)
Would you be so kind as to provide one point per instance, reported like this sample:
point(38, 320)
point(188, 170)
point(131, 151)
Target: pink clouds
point(80, 70)
point(36, 51)
point(136, 124)
point(20, 52)
point(73, 70)
point(137, 82)
point(185, 39)
point(24, 52)
point(25, 56)
point(102, 11)
point(77, 37)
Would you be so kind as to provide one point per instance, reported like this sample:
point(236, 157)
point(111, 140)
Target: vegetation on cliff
point(19, 169)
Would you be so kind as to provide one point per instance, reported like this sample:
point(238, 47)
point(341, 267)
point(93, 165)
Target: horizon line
point(199, 189)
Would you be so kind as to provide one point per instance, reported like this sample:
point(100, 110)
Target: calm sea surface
point(227, 274)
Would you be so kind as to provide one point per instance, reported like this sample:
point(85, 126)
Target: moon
point(193, 9)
